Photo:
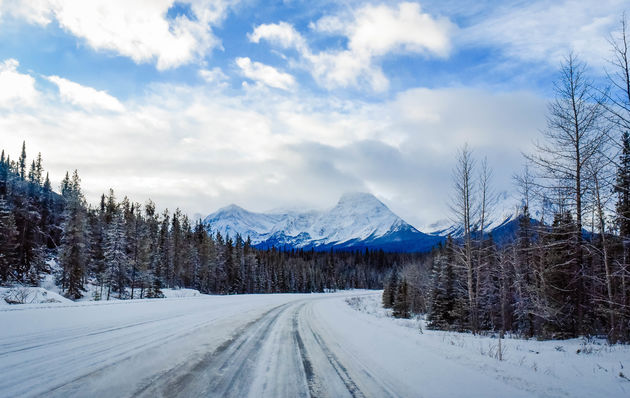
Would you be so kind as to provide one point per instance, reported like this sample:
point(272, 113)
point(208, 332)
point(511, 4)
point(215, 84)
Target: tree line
point(126, 250)
point(565, 273)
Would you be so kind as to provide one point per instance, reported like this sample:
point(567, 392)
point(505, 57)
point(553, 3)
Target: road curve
point(239, 346)
point(280, 354)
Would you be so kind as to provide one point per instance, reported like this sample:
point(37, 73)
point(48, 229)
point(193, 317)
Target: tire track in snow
point(367, 378)
point(226, 372)
point(311, 379)
point(89, 334)
point(143, 342)
point(341, 370)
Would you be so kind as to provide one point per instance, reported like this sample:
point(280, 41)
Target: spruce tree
point(401, 305)
point(39, 169)
point(8, 242)
point(4, 174)
point(116, 256)
point(622, 188)
point(73, 257)
point(390, 289)
point(22, 162)
point(441, 314)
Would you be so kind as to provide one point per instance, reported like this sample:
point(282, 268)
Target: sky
point(275, 104)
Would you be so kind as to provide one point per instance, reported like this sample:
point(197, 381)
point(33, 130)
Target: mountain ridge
point(357, 221)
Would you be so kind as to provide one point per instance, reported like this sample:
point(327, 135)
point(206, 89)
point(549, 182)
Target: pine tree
point(4, 174)
point(164, 265)
point(73, 257)
point(22, 162)
point(441, 314)
point(116, 256)
point(559, 305)
point(153, 235)
point(401, 305)
point(38, 169)
point(622, 188)
point(390, 289)
point(175, 268)
point(97, 250)
point(8, 242)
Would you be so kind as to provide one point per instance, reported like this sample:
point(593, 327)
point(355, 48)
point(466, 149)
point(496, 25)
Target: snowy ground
point(285, 345)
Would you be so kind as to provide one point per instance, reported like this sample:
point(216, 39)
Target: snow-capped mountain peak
point(358, 219)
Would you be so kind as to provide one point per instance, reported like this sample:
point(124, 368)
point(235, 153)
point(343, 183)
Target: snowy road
point(235, 346)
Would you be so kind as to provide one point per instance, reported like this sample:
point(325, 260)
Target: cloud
point(265, 74)
point(214, 76)
point(548, 31)
point(282, 34)
point(140, 30)
point(201, 149)
point(372, 32)
point(17, 89)
point(86, 97)
point(379, 30)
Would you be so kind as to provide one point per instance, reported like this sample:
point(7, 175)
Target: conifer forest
point(564, 272)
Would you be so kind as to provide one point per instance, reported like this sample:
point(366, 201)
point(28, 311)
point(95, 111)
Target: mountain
point(502, 221)
point(358, 221)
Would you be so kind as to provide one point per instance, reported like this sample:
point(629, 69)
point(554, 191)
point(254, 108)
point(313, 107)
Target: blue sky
point(268, 104)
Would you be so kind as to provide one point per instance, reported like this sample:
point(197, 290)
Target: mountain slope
point(357, 221)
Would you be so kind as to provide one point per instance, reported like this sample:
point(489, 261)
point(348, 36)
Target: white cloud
point(372, 32)
point(378, 30)
point(200, 149)
point(214, 76)
point(547, 31)
point(86, 97)
point(282, 34)
point(33, 11)
point(16, 89)
point(137, 29)
point(265, 74)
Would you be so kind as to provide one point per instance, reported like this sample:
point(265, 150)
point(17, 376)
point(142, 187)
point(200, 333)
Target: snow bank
point(180, 293)
point(29, 295)
point(580, 367)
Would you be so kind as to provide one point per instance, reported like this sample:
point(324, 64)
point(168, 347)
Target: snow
point(335, 344)
point(551, 368)
point(505, 207)
point(29, 295)
point(356, 216)
point(180, 293)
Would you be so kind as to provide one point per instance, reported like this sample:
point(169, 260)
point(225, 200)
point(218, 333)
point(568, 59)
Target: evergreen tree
point(22, 162)
point(390, 289)
point(97, 250)
point(401, 305)
point(116, 259)
point(622, 188)
point(441, 314)
point(73, 257)
point(559, 305)
point(8, 242)
point(38, 173)
point(4, 174)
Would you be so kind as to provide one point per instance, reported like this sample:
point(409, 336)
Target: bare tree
point(463, 207)
point(618, 98)
point(618, 112)
point(572, 138)
point(487, 201)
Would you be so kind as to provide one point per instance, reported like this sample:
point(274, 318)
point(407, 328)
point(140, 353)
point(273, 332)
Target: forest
point(566, 273)
point(129, 250)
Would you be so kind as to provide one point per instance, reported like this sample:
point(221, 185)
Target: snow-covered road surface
point(287, 345)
